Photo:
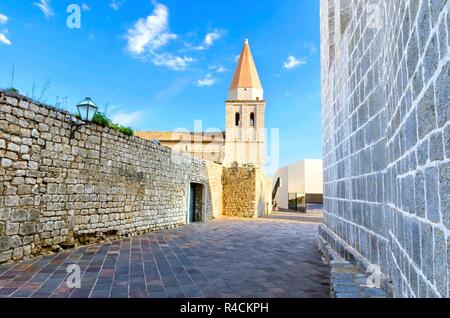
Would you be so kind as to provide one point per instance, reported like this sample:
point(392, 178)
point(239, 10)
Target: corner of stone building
point(246, 192)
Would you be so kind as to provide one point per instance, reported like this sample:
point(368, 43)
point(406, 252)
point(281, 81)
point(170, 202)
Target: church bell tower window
point(238, 119)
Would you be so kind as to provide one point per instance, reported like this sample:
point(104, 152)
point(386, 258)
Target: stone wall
point(101, 182)
point(386, 131)
point(246, 192)
point(264, 187)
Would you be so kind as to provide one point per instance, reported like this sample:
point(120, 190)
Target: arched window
point(238, 119)
point(252, 119)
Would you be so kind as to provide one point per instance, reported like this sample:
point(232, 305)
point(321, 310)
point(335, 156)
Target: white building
point(299, 184)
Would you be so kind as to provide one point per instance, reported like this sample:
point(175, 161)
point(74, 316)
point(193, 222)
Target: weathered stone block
point(422, 153)
point(18, 215)
point(431, 56)
point(5, 256)
point(18, 253)
point(410, 131)
point(4, 214)
point(415, 243)
point(444, 191)
point(432, 194)
point(424, 24)
point(412, 54)
point(426, 235)
point(5, 243)
point(443, 46)
point(447, 141)
point(436, 147)
point(408, 197)
point(13, 147)
point(6, 163)
point(12, 228)
point(426, 113)
point(417, 82)
point(11, 201)
point(440, 261)
point(27, 228)
point(443, 96)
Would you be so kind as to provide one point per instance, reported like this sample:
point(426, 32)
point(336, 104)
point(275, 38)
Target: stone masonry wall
point(386, 132)
point(246, 192)
point(55, 190)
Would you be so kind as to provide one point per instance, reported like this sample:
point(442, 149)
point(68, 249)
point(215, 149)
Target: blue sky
point(162, 65)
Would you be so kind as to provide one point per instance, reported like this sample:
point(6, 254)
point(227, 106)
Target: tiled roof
point(178, 136)
point(246, 75)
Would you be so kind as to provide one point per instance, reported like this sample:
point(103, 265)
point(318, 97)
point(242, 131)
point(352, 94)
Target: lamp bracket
point(75, 127)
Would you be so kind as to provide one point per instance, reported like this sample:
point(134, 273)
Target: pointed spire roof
point(246, 75)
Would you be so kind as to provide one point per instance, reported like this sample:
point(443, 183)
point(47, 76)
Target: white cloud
point(195, 48)
point(115, 5)
point(127, 119)
point(4, 39)
point(217, 68)
point(85, 7)
point(293, 62)
point(3, 19)
point(208, 41)
point(151, 33)
point(176, 63)
point(221, 69)
point(236, 58)
point(45, 7)
point(312, 48)
point(211, 37)
point(207, 81)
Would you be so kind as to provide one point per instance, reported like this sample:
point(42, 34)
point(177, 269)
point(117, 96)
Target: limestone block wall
point(264, 187)
point(246, 192)
point(386, 133)
point(101, 182)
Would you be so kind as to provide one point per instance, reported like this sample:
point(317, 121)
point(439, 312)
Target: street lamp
point(86, 110)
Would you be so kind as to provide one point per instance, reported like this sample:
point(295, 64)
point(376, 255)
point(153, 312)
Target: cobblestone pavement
point(270, 257)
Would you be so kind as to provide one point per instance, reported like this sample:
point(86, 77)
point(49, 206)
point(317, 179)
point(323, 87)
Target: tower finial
point(246, 40)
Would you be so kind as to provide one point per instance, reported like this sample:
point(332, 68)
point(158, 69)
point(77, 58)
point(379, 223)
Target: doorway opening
point(195, 203)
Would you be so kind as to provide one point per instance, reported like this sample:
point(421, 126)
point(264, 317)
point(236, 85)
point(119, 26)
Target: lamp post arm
point(74, 129)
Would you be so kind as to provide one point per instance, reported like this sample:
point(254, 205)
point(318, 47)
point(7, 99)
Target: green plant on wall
point(102, 120)
point(12, 90)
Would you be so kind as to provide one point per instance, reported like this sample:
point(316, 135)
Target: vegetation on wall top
point(12, 90)
point(102, 120)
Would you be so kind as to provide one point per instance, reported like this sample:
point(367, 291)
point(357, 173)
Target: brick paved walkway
point(270, 257)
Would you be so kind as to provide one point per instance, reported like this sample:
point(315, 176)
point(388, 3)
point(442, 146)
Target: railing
point(275, 189)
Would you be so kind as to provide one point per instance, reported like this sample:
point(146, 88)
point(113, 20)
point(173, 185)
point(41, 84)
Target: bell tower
point(245, 109)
